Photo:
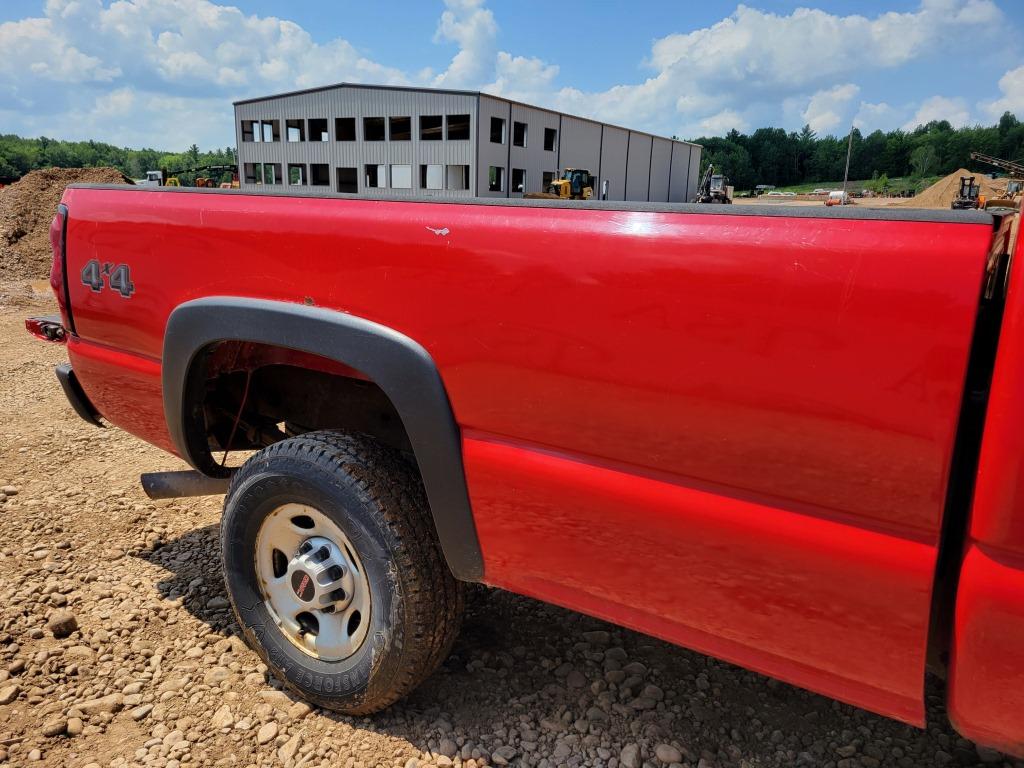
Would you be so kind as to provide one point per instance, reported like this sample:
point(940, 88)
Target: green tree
point(879, 185)
point(922, 159)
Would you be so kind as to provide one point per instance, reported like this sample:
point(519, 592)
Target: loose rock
point(668, 754)
point(109, 704)
point(56, 727)
point(62, 623)
point(266, 733)
point(630, 756)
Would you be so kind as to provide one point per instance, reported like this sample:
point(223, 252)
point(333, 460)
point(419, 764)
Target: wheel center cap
point(302, 585)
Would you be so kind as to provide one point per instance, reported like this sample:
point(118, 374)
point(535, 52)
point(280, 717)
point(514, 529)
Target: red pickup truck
point(786, 437)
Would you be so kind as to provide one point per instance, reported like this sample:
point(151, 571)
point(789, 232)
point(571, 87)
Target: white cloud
point(723, 122)
point(940, 108)
point(1012, 87)
point(521, 78)
point(91, 67)
point(811, 45)
point(117, 103)
point(90, 58)
point(881, 115)
point(752, 61)
point(472, 27)
point(32, 44)
point(828, 109)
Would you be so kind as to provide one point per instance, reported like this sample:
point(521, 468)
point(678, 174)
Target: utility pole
point(846, 173)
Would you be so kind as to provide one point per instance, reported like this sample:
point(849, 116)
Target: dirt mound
point(26, 210)
point(942, 193)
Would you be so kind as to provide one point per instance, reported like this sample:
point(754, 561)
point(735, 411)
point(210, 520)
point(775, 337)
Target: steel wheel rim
point(322, 613)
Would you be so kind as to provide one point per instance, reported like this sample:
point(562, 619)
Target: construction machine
point(166, 178)
point(714, 188)
point(1014, 182)
point(968, 195)
point(575, 184)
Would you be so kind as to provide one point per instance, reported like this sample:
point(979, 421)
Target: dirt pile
point(942, 193)
point(26, 210)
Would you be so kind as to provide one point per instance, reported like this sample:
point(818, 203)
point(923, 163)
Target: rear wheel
point(334, 570)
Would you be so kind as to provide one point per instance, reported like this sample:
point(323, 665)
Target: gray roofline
point(478, 94)
point(367, 86)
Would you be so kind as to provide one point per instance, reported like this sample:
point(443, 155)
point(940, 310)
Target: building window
point(401, 128)
point(550, 138)
point(401, 177)
point(348, 180)
point(296, 175)
point(549, 176)
point(519, 134)
point(458, 177)
point(495, 179)
point(497, 130)
point(261, 130)
point(373, 129)
point(319, 174)
point(430, 127)
point(431, 177)
point(262, 173)
point(318, 129)
point(345, 128)
point(376, 176)
point(295, 130)
point(458, 127)
point(518, 180)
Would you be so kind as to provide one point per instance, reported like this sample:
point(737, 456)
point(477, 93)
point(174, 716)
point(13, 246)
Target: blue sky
point(163, 72)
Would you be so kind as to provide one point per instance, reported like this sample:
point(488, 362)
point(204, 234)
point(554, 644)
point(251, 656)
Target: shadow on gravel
point(526, 673)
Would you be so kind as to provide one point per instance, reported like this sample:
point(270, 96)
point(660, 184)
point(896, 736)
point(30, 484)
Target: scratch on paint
point(441, 232)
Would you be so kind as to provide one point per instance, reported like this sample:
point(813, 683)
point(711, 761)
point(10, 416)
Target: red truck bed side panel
point(732, 431)
point(795, 596)
point(986, 689)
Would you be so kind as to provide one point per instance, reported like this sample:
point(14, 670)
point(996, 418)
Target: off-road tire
point(374, 494)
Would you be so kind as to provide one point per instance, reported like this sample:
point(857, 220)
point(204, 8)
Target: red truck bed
point(733, 429)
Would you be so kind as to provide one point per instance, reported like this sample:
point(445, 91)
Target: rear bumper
point(76, 395)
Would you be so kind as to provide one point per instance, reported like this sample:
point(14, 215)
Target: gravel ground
point(117, 647)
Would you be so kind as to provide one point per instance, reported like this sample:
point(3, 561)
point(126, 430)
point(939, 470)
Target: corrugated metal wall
point(614, 144)
point(694, 177)
point(636, 166)
point(533, 159)
point(580, 145)
point(493, 153)
point(661, 160)
point(679, 183)
point(358, 103)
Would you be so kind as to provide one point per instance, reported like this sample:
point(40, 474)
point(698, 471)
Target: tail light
point(59, 269)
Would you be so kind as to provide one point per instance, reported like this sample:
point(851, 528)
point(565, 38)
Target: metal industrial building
point(396, 141)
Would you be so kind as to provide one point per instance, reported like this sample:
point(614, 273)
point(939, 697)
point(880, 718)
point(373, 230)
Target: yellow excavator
point(575, 184)
point(1014, 184)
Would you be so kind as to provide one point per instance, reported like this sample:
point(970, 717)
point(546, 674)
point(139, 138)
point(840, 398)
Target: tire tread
point(432, 600)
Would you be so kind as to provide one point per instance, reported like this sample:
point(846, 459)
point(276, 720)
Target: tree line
point(773, 156)
point(766, 156)
point(20, 155)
